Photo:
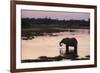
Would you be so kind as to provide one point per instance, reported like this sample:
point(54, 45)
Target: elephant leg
point(75, 50)
point(67, 49)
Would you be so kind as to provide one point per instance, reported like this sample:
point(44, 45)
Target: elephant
point(69, 42)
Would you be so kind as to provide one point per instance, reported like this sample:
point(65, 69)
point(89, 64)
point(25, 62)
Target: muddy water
point(49, 45)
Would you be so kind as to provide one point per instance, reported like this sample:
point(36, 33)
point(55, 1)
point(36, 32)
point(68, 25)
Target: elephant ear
point(62, 41)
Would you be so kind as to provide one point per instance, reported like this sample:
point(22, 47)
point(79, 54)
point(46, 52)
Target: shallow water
point(49, 45)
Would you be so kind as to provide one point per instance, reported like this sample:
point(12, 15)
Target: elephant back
point(73, 41)
point(70, 41)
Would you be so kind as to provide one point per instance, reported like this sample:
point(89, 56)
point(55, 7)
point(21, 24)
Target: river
point(49, 45)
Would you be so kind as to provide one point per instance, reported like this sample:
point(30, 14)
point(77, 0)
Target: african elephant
point(69, 42)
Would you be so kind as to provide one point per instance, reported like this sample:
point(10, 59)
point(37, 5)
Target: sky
point(55, 15)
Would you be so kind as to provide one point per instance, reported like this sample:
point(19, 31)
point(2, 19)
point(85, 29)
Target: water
point(49, 45)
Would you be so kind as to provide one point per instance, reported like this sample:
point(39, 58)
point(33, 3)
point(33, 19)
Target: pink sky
point(55, 15)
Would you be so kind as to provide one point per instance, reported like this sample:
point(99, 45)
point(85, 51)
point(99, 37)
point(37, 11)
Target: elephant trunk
point(60, 44)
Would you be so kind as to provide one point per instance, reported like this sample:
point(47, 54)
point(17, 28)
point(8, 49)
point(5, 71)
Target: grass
point(44, 59)
point(28, 33)
point(56, 58)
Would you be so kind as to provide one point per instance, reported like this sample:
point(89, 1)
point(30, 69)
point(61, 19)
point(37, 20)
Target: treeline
point(32, 27)
point(48, 22)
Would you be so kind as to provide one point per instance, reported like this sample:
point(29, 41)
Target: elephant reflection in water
point(69, 42)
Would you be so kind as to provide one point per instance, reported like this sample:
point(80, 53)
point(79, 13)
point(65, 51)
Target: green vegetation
point(56, 58)
point(38, 27)
point(55, 23)
point(44, 59)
